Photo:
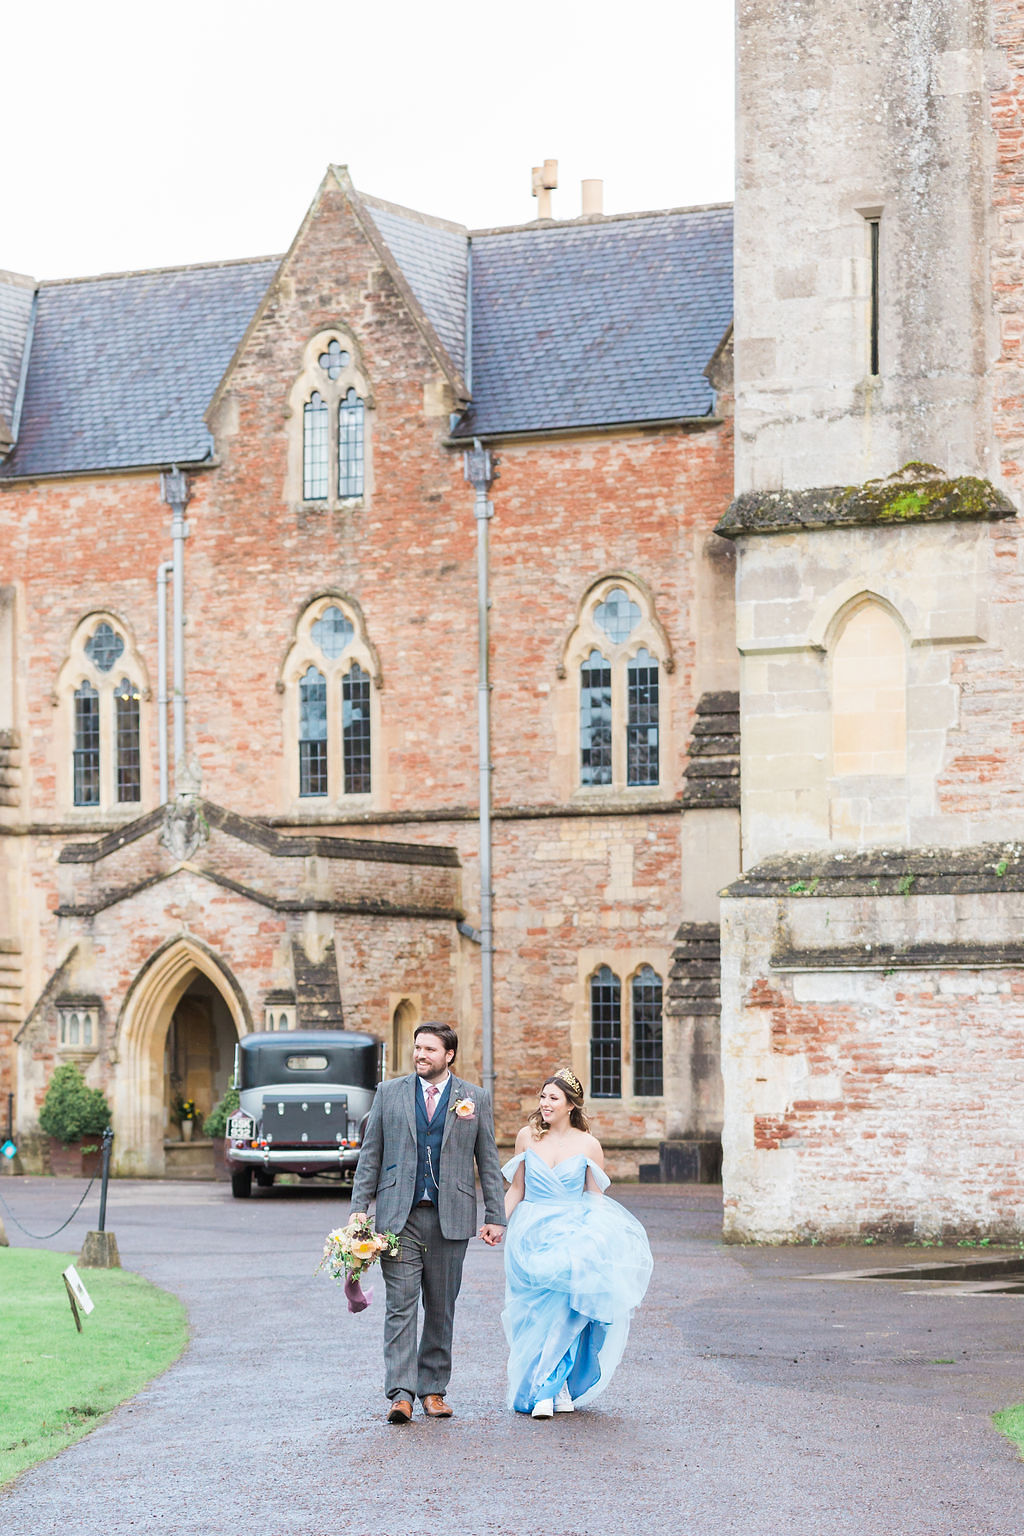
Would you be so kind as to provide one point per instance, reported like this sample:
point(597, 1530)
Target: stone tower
point(872, 985)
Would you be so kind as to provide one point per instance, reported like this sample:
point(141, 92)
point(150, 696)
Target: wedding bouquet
point(350, 1251)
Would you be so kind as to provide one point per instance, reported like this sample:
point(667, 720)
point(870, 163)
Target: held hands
point(491, 1234)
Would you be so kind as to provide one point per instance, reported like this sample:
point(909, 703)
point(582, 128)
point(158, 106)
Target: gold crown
point(566, 1076)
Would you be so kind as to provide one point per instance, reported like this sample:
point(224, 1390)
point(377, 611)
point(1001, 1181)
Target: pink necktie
point(432, 1093)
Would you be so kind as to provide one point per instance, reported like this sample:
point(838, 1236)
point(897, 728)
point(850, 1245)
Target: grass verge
point(56, 1383)
point(1010, 1422)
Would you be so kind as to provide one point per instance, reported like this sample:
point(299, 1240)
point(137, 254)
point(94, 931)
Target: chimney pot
point(544, 182)
point(592, 197)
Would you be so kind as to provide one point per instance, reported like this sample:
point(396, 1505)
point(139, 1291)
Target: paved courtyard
point(752, 1399)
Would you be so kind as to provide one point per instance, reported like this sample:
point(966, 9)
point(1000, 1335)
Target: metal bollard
point(99, 1250)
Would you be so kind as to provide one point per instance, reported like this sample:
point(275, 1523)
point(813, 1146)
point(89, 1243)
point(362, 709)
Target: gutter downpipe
point(162, 574)
point(174, 492)
point(478, 470)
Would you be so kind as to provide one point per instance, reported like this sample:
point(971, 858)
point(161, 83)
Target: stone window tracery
point(331, 397)
point(617, 653)
point(328, 681)
point(102, 739)
point(626, 1025)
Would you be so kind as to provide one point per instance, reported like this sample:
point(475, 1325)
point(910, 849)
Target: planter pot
point(67, 1160)
point(186, 1129)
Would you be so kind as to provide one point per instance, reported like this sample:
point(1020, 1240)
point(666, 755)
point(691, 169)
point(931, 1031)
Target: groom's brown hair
point(444, 1032)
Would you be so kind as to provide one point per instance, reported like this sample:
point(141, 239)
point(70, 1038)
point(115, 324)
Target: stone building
point(306, 850)
point(872, 989)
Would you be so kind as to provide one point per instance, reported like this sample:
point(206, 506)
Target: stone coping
point(918, 493)
point(886, 872)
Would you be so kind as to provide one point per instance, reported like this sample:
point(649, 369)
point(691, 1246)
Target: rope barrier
point(41, 1237)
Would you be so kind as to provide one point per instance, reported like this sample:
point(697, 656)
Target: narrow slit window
point(87, 746)
point(129, 761)
point(642, 720)
point(648, 1049)
point(355, 730)
point(350, 445)
point(314, 448)
point(595, 720)
point(605, 1035)
point(874, 237)
point(313, 733)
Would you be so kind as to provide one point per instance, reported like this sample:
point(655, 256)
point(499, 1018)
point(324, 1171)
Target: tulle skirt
point(575, 1269)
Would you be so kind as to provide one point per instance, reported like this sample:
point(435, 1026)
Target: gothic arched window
point(648, 1051)
point(605, 1035)
point(331, 395)
point(314, 448)
point(617, 651)
point(328, 679)
point(105, 720)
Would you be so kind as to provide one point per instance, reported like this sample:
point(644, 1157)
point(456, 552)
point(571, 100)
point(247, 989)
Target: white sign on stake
point(77, 1295)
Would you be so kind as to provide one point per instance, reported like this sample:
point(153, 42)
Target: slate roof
point(573, 325)
point(123, 367)
point(433, 256)
point(585, 324)
point(15, 308)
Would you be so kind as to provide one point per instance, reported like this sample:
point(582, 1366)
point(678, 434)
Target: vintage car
point(304, 1099)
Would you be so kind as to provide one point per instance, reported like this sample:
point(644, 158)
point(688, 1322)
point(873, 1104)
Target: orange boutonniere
point(465, 1109)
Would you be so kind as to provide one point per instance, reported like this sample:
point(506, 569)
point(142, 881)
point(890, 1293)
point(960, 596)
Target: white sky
point(139, 135)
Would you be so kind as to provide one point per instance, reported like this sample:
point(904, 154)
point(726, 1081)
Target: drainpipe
point(174, 492)
point(478, 469)
point(162, 575)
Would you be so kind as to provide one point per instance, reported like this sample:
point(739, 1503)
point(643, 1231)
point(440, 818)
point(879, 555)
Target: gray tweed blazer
point(387, 1161)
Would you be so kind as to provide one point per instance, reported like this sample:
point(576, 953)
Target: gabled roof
point(434, 256)
point(589, 323)
point(595, 323)
point(15, 312)
point(123, 367)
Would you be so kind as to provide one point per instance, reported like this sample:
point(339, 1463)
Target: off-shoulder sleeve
point(511, 1168)
point(599, 1176)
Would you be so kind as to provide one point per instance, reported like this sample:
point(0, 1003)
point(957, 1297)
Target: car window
point(305, 1063)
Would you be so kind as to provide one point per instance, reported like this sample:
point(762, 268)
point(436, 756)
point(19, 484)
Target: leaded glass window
point(87, 745)
point(642, 721)
point(350, 445)
point(104, 647)
point(648, 1053)
point(355, 730)
point(617, 615)
point(332, 632)
point(129, 761)
point(595, 720)
point(334, 361)
point(313, 733)
point(605, 1035)
point(314, 448)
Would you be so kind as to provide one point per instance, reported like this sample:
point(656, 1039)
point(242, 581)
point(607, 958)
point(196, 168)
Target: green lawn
point(56, 1383)
point(1011, 1422)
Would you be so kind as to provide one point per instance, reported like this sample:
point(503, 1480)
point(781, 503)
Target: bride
point(576, 1264)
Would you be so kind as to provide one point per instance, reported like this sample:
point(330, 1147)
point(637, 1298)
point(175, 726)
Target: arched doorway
point(175, 1038)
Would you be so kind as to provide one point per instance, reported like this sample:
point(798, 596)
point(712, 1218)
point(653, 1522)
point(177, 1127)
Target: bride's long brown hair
point(574, 1095)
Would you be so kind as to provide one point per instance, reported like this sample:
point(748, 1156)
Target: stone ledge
point(886, 872)
point(918, 493)
point(895, 957)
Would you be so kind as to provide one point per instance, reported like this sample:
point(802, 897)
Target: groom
point(422, 1138)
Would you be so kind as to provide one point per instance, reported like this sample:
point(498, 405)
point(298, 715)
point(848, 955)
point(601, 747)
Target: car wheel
point(241, 1183)
point(264, 1180)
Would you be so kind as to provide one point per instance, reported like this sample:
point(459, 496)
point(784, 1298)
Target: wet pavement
point(757, 1395)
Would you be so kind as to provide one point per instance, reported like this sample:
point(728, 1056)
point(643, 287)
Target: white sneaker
point(563, 1402)
point(544, 1409)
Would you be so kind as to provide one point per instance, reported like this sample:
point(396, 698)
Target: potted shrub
point(74, 1117)
point(184, 1112)
point(216, 1127)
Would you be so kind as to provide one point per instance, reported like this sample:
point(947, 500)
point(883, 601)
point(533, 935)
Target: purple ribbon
point(358, 1299)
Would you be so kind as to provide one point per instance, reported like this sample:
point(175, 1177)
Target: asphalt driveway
point(752, 1399)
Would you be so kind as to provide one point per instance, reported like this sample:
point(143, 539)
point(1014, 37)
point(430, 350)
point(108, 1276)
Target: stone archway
point(139, 1082)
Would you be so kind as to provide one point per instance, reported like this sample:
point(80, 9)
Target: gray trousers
point(428, 1266)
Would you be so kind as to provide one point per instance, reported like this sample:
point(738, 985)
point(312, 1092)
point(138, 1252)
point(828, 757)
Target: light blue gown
point(576, 1265)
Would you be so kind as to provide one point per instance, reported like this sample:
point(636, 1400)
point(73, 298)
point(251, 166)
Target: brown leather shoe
point(400, 1411)
point(435, 1407)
